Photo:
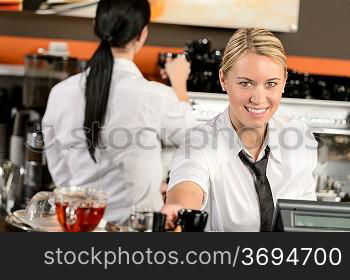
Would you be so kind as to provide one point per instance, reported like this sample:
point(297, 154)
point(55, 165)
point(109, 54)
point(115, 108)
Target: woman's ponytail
point(117, 23)
point(98, 83)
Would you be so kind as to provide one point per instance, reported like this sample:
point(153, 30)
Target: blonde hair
point(259, 41)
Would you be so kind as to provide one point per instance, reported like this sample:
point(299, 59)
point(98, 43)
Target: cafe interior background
point(44, 42)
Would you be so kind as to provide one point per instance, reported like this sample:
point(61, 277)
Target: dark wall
point(324, 30)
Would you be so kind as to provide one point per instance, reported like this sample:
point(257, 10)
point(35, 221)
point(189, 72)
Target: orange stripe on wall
point(321, 66)
point(14, 49)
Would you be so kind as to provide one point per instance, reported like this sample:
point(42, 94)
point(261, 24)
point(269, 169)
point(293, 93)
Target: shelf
point(11, 70)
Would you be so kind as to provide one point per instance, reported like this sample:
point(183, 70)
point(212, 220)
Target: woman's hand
point(186, 194)
point(171, 211)
point(178, 70)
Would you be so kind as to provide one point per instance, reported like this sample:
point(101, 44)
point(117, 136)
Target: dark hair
point(117, 23)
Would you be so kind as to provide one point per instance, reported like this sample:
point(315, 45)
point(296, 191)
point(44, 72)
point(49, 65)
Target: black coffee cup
point(158, 222)
point(192, 220)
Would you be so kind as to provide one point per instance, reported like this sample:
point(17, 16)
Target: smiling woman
point(254, 86)
point(237, 165)
point(253, 72)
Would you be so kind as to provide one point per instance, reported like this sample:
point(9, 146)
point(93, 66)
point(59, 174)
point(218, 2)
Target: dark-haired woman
point(103, 128)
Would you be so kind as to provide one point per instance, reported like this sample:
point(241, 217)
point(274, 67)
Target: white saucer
point(48, 224)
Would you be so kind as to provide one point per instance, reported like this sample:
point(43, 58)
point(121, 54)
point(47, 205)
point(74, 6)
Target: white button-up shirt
point(209, 158)
point(140, 115)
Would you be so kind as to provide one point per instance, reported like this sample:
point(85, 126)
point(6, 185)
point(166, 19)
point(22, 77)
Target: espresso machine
point(24, 172)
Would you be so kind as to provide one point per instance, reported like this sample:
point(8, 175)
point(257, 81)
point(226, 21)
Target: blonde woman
point(237, 165)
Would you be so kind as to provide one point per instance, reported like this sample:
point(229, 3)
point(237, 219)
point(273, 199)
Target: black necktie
point(262, 187)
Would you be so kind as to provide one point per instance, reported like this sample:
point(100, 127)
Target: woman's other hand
point(178, 70)
point(171, 211)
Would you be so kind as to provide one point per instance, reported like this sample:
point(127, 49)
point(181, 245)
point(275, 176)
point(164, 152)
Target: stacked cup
point(18, 138)
point(3, 142)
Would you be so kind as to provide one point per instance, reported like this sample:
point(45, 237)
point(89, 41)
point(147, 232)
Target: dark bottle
point(36, 177)
point(4, 119)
